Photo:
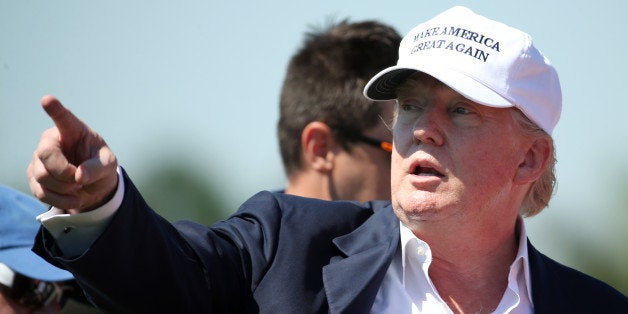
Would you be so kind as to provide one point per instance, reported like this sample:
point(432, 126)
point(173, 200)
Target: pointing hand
point(72, 168)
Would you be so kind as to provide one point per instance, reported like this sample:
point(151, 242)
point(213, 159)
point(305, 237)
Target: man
point(27, 282)
point(473, 153)
point(330, 136)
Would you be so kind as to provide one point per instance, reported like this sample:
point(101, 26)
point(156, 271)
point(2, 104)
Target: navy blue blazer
point(277, 254)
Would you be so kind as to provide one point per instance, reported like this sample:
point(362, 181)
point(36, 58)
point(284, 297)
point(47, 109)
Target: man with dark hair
point(335, 144)
point(472, 156)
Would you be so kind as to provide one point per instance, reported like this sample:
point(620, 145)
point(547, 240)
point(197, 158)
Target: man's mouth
point(426, 171)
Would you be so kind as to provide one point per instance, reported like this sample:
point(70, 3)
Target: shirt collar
point(406, 236)
point(522, 254)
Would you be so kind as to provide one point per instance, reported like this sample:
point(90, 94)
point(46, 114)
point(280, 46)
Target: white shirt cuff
point(74, 234)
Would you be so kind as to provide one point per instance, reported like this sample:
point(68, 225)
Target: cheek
point(402, 136)
point(488, 166)
point(396, 169)
point(374, 171)
point(9, 306)
point(384, 170)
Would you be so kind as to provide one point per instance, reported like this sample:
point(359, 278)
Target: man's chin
point(417, 209)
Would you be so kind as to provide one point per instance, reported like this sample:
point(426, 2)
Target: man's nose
point(427, 128)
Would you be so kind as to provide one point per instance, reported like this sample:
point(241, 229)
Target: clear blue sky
point(199, 81)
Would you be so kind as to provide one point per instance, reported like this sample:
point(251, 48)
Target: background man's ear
point(317, 141)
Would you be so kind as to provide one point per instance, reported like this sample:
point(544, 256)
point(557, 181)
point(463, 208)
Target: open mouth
point(426, 171)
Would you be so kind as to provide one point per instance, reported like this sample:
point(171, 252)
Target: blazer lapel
point(353, 278)
point(546, 296)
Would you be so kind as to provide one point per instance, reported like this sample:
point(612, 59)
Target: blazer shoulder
point(277, 203)
point(572, 288)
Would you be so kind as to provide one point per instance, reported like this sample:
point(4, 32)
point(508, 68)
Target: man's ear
point(535, 161)
point(317, 141)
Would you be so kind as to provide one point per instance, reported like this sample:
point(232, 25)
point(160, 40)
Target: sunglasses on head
point(32, 293)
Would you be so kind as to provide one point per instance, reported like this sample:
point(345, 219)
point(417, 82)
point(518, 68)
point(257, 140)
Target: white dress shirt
point(74, 234)
point(407, 287)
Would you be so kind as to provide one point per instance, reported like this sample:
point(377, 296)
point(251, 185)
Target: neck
point(470, 267)
point(311, 185)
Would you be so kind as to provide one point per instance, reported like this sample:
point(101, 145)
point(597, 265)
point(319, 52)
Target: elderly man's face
point(452, 158)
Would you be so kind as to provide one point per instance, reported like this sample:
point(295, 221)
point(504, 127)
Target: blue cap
point(18, 228)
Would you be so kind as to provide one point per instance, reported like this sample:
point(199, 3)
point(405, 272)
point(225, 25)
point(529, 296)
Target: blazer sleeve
point(268, 255)
point(143, 264)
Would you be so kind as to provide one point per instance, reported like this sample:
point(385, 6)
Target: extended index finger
point(64, 119)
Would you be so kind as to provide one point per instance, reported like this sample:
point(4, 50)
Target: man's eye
point(406, 107)
point(411, 107)
point(461, 110)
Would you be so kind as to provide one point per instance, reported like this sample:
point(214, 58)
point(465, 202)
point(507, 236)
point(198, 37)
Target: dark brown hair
point(325, 80)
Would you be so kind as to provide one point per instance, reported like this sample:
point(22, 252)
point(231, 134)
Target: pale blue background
point(198, 82)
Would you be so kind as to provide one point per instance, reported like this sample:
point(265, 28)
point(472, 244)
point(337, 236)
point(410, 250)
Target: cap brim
point(25, 262)
point(383, 86)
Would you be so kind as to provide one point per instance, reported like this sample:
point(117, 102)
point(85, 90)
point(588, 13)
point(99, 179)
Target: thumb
point(97, 168)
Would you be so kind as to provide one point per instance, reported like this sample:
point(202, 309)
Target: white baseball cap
point(484, 60)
